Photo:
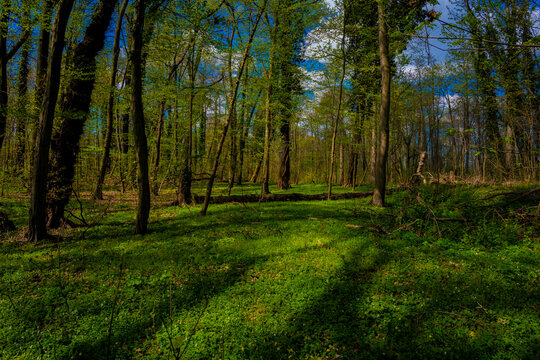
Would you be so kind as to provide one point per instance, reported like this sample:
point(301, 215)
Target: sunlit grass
point(276, 280)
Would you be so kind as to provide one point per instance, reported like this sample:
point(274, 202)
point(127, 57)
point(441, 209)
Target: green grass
point(292, 280)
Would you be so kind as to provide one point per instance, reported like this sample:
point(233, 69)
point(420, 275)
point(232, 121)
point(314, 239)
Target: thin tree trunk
point(183, 194)
point(37, 225)
point(41, 66)
point(137, 115)
point(338, 115)
point(4, 24)
point(373, 148)
point(105, 162)
point(265, 188)
point(159, 130)
point(233, 153)
point(230, 113)
point(22, 108)
point(350, 179)
point(384, 127)
point(255, 175)
point(232, 133)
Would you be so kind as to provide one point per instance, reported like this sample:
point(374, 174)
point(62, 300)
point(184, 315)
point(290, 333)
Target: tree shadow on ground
point(364, 314)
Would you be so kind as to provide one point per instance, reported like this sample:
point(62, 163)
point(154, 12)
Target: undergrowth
point(442, 272)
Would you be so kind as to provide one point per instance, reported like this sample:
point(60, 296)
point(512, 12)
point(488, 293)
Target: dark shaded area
point(5, 224)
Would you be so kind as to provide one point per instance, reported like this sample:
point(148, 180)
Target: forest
point(269, 179)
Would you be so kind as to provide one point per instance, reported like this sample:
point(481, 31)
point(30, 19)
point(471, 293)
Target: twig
point(466, 308)
point(80, 207)
point(454, 219)
point(480, 306)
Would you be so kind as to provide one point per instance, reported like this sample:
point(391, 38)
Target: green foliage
point(281, 280)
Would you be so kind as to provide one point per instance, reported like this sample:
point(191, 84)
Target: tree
point(393, 14)
point(5, 56)
point(232, 102)
point(37, 227)
point(74, 111)
point(384, 121)
point(98, 192)
point(289, 33)
point(338, 111)
point(137, 116)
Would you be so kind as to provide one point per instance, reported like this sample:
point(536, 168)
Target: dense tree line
point(119, 95)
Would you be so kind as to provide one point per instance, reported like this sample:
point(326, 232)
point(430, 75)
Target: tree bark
point(265, 188)
point(384, 124)
point(22, 108)
point(75, 107)
point(41, 65)
point(137, 115)
point(37, 226)
point(183, 194)
point(4, 24)
point(105, 161)
point(124, 135)
point(350, 179)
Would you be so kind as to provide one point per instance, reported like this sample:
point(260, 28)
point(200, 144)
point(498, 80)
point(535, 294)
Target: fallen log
point(254, 198)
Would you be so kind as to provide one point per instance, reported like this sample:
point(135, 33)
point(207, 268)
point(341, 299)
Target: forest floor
point(442, 272)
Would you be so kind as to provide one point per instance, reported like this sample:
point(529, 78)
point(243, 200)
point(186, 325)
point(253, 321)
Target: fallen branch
point(453, 219)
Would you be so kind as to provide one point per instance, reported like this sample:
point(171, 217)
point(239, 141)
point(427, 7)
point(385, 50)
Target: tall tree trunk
point(373, 150)
point(183, 194)
point(159, 130)
point(338, 114)
point(284, 178)
point(384, 125)
point(201, 143)
point(75, 107)
point(137, 115)
point(37, 225)
point(41, 65)
point(233, 153)
point(350, 179)
point(22, 108)
point(341, 177)
point(244, 124)
point(245, 133)
point(105, 161)
point(233, 125)
point(232, 103)
point(4, 20)
point(123, 135)
point(157, 159)
point(466, 125)
point(5, 56)
point(265, 188)
point(493, 145)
